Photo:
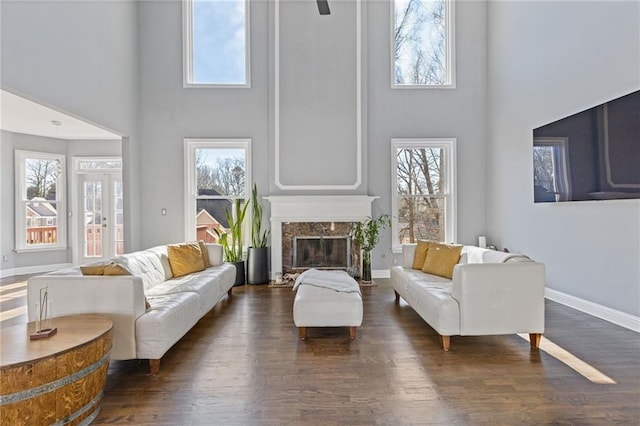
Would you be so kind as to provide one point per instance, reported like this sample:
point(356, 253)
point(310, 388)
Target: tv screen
point(590, 155)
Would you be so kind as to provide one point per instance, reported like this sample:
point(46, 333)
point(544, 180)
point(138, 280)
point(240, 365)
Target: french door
point(101, 231)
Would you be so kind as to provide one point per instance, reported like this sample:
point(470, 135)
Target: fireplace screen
point(332, 252)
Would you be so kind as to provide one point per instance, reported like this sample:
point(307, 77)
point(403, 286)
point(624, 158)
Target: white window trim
point(191, 190)
point(451, 51)
point(449, 145)
point(187, 50)
point(21, 245)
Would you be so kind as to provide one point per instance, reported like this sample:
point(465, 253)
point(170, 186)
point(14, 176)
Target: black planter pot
point(258, 265)
point(366, 271)
point(240, 277)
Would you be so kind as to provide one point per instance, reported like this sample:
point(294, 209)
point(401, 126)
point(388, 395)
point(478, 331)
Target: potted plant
point(258, 253)
point(232, 250)
point(366, 235)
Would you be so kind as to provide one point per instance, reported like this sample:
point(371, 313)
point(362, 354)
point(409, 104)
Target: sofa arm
point(500, 298)
point(408, 253)
point(121, 298)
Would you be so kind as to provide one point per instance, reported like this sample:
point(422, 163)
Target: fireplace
point(321, 252)
point(312, 217)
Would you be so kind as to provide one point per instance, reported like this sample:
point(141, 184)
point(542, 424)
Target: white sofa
point(176, 304)
point(490, 293)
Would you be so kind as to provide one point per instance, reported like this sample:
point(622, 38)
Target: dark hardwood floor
point(243, 364)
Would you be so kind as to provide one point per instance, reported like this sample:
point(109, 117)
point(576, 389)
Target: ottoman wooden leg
point(303, 333)
point(352, 332)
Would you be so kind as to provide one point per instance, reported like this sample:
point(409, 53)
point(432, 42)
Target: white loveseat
point(490, 293)
point(175, 304)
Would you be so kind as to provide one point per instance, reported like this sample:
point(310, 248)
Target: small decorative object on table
point(43, 331)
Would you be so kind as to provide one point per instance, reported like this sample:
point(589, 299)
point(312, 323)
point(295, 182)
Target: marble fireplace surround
point(312, 208)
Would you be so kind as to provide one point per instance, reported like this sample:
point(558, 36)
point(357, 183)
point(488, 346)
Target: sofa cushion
point(421, 254)
point(441, 258)
point(146, 264)
point(185, 258)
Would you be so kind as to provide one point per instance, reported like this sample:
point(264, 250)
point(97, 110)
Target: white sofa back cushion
point(146, 264)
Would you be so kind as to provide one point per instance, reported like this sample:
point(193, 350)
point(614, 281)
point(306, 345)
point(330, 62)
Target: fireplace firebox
point(326, 252)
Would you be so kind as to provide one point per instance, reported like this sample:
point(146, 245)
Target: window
point(423, 182)
point(550, 170)
point(422, 43)
point(216, 43)
point(218, 172)
point(40, 201)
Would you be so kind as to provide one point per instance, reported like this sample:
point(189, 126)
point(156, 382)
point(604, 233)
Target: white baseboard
point(380, 273)
point(27, 270)
point(616, 317)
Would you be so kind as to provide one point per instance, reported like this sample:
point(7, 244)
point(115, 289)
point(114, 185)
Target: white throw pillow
point(215, 254)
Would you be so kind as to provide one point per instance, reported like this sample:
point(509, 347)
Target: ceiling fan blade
point(323, 7)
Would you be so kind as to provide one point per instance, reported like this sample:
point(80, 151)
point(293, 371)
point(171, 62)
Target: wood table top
point(73, 330)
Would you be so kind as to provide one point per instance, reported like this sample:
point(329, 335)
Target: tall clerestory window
point(216, 43)
point(422, 44)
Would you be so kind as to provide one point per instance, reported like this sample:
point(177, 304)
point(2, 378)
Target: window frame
point(187, 50)
point(190, 185)
point(21, 201)
point(450, 51)
point(450, 185)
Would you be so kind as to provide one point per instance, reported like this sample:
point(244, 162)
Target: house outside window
point(216, 43)
point(422, 44)
point(40, 201)
point(424, 195)
point(218, 173)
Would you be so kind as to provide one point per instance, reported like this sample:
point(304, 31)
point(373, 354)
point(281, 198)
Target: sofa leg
point(534, 339)
point(303, 333)
point(446, 342)
point(352, 332)
point(397, 296)
point(154, 366)
point(230, 292)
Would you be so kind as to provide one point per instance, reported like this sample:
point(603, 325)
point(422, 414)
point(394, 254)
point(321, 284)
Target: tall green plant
point(366, 234)
point(258, 237)
point(232, 250)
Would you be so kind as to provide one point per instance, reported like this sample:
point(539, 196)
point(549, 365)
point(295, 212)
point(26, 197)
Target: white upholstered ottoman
point(327, 299)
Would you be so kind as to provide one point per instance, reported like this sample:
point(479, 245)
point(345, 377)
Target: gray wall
point(548, 60)
point(80, 58)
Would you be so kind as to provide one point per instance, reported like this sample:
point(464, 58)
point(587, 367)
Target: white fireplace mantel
point(312, 208)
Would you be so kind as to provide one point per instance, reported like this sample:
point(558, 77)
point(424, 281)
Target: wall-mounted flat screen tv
point(591, 155)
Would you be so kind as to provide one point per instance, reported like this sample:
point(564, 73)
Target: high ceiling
point(20, 115)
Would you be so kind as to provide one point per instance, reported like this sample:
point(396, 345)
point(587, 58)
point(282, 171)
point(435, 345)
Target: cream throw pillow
point(215, 254)
point(441, 258)
point(185, 258)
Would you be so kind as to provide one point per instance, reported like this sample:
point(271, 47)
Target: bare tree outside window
point(41, 176)
point(420, 188)
point(420, 42)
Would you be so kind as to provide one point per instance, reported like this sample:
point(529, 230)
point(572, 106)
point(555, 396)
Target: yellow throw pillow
point(421, 254)
point(185, 258)
point(96, 269)
point(205, 254)
point(441, 258)
point(114, 269)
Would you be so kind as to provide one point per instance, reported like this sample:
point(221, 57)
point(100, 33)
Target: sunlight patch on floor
point(586, 370)
point(12, 313)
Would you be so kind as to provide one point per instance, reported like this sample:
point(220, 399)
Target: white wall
point(80, 58)
point(548, 60)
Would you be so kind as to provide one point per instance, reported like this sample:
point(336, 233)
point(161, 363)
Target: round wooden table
point(59, 379)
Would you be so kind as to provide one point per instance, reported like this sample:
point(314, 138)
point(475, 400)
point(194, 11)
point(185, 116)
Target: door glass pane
point(92, 219)
point(118, 218)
